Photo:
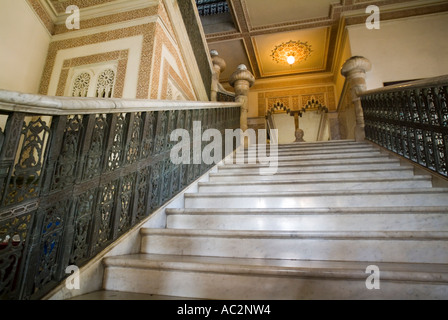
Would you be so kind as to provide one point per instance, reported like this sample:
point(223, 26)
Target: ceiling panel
point(268, 12)
point(318, 38)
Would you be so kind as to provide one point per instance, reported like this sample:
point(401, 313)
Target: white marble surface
point(384, 246)
point(293, 186)
point(241, 279)
point(364, 219)
point(308, 232)
point(320, 199)
point(48, 105)
point(312, 173)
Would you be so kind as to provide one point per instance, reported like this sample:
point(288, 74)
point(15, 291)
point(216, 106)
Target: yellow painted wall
point(24, 44)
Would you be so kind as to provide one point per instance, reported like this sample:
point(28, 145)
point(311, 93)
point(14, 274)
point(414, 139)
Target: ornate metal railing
point(222, 96)
point(411, 120)
point(77, 174)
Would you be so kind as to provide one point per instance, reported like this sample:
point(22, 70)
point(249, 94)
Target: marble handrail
point(417, 84)
point(49, 105)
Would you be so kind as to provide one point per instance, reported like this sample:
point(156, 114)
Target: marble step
point(123, 296)
point(270, 279)
point(315, 185)
point(316, 165)
point(314, 157)
point(311, 161)
point(384, 246)
point(328, 219)
point(320, 199)
point(320, 144)
point(314, 173)
point(310, 152)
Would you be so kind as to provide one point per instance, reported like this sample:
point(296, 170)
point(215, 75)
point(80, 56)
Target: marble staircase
point(308, 232)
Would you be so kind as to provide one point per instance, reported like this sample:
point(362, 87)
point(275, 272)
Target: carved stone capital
point(242, 75)
point(356, 65)
point(218, 63)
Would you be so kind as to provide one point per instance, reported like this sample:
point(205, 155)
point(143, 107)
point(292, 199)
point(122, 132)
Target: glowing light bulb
point(291, 59)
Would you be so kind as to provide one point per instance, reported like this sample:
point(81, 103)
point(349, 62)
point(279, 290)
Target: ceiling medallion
point(291, 52)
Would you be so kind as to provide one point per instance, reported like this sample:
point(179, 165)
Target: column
point(354, 70)
point(219, 65)
point(242, 80)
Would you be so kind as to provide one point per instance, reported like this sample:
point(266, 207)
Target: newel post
point(219, 65)
point(242, 80)
point(354, 70)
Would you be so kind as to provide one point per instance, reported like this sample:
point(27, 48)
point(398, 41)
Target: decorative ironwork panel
point(149, 135)
point(127, 187)
point(225, 97)
point(117, 142)
point(25, 180)
point(211, 7)
point(13, 237)
point(93, 178)
point(51, 248)
point(411, 121)
point(64, 173)
point(143, 193)
point(133, 145)
point(161, 132)
point(95, 155)
point(82, 227)
point(105, 212)
point(156, 185)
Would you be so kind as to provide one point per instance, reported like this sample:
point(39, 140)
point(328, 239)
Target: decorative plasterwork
point(60, 5)
point(145, 64)
point(317, 38)
point(298, 50)
point(120, 56)
point(93, 13)
point(156, 36)
point(295, 99)
point(162, 65)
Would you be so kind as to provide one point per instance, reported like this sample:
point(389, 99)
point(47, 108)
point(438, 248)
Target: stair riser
point(316, 162)
point(312, 154)
point(203, 285)
point(312, 222)
point(315, 146)
point(308, 161)
point(340, 249)
point(266, 187)
point(319, 168)
point(312, 174)
point(317, 201)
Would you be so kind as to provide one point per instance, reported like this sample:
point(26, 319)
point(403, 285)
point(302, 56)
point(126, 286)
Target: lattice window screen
point(81, 85)
point(105, 84)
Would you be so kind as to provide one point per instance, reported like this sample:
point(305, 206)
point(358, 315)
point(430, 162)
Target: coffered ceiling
point(249, 30)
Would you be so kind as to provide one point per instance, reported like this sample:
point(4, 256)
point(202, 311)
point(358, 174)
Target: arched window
point(105, 84)
point(81, 85)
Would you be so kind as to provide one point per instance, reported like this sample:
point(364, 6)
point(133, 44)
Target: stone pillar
point(242, 80)
point(354, 70)
point(219, 65)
